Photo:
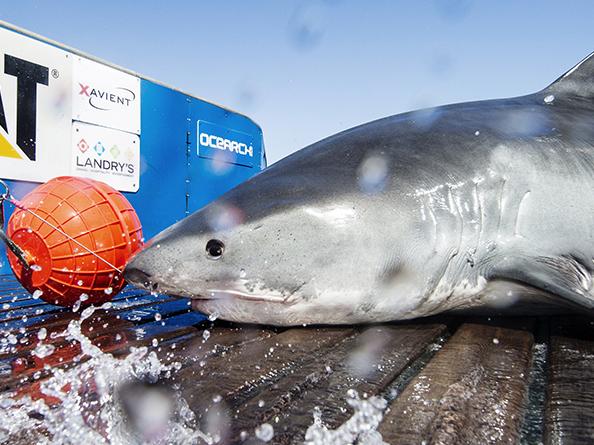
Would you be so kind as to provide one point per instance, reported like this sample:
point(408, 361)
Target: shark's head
point(298, 243)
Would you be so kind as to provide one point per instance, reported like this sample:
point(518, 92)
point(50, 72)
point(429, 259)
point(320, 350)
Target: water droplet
point(79, 283)
point(108, 291)
point(6, 306)
point(43, 350)
point(12, 339)
point(476, 133)
point(373, 173)
point(155, 342)
point(307, 24)
point(158, 317)
point(36, 267)
point(549, 99)
point(213, 316)
point(242, 273)
point(265, 432)
point(76, 306)
point(42, 334)
point(261, 403)
point(83, 297)
point(496, 341)
point(38, 293)
point(217, 398)
point(206, 334)
point(87, 313)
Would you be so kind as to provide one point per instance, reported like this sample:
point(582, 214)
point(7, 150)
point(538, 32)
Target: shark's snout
point(136, 276)
point(138, 273)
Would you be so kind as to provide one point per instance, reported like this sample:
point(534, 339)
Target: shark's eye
point(214, 248)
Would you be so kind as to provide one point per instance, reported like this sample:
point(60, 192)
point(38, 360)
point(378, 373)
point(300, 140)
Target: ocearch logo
point(218, 142)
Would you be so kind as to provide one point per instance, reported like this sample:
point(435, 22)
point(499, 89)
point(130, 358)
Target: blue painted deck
point(135, 318)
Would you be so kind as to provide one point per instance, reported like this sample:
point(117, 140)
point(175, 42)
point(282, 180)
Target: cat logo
point(28, 76)
point(55, 107)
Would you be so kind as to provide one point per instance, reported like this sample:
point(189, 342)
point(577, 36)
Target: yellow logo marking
point(6, 149)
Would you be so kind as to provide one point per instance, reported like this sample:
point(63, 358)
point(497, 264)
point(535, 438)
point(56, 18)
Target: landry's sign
point(45, 95)
point(105, 154)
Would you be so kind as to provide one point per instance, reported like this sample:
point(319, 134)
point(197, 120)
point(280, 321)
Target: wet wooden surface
point(446, 380)
point(472, 391)
point(570, 402)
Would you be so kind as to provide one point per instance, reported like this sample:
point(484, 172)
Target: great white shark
point(481, 205)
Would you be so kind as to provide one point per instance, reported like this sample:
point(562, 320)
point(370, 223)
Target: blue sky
point(305, 69)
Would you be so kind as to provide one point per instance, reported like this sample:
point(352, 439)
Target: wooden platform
point(447, 380)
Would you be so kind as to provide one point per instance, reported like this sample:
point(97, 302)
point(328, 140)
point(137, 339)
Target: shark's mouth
point(222, 294)
point(220, 291)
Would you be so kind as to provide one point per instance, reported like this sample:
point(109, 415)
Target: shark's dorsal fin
point(577, 82)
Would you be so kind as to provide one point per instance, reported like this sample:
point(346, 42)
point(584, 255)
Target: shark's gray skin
point(474, 205)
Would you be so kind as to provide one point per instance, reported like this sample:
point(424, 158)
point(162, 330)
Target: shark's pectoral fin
point(562, 276)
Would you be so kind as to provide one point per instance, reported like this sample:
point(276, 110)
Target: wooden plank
point(569, 415)
point(242, 370)
point(306, 368)
point(222, 337)
point(367, 363)
point(473, 391)
point(241, 373)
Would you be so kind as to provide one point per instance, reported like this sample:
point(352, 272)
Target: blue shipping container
point(66, 113)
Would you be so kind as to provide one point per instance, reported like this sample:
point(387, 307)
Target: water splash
point(359, 429)
point(84, 404)
point(121, 401)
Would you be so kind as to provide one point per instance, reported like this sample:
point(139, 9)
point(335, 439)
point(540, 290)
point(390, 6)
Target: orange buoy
point(77, 235)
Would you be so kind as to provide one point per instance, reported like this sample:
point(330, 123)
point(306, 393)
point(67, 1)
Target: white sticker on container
point(107, 155)
point(105, 96)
